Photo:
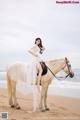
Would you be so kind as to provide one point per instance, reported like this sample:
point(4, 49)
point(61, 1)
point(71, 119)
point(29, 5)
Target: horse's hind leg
point(9, 87)
point(14, 95)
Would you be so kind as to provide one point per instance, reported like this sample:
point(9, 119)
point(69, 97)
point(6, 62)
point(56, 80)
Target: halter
point(59, 78)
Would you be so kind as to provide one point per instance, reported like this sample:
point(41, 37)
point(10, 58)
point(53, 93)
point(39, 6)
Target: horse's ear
point(66, 59)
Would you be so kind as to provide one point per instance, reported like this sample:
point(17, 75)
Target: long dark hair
point(40, 45)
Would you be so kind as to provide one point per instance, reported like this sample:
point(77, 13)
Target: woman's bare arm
point(34, 54)
point(33, 51)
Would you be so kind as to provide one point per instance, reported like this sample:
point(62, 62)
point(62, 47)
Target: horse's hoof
point(47, 109)
point(43, 110)
point(18, 107)
point(12, 106)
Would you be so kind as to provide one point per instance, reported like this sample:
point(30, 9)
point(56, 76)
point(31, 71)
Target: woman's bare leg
point(39, 76)
point(38, 83)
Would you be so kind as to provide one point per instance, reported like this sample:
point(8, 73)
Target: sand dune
point(61, 108)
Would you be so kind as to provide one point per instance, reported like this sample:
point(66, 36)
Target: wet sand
point(61, 108)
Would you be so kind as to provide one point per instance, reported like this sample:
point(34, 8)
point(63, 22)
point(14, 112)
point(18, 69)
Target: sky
point(21, 21)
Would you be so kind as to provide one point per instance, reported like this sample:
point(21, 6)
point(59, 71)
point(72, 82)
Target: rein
point(58, 78)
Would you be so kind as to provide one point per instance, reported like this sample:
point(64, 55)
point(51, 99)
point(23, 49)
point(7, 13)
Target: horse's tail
point(9, 86)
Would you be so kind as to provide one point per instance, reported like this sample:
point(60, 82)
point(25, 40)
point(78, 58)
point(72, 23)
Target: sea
point(69, 87)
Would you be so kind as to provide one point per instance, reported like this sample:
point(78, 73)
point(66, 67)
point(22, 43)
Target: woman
point(35, 52)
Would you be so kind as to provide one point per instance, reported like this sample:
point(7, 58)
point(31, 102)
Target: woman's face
point(38, 42)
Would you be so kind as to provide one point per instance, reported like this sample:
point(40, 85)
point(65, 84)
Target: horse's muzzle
point(71, 75)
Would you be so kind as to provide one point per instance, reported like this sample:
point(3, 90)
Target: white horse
point(17, 72)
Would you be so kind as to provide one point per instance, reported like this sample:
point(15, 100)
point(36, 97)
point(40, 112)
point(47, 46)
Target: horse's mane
point(54, 60)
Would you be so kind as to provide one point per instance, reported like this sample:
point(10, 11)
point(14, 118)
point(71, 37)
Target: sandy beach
point(61, 108)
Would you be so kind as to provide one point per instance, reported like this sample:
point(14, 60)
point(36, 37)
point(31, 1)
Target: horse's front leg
point(40, 101)
point(41, 105)
point(45, 98)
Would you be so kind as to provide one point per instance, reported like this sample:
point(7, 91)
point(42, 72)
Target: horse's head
point(67, 68)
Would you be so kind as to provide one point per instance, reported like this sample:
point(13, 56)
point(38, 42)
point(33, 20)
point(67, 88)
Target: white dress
point(33, 63)
point(33, 74)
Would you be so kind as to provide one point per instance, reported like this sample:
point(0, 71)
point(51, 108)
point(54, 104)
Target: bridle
point(60, 77)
